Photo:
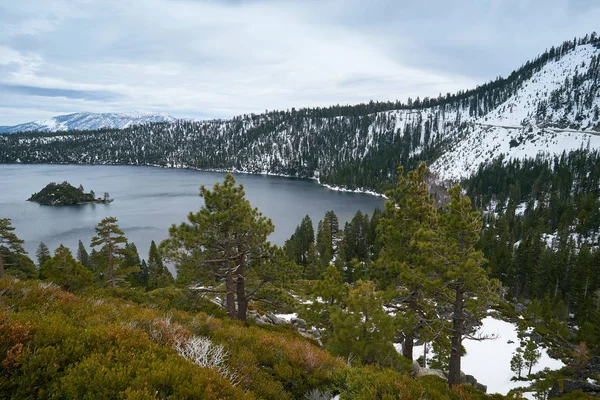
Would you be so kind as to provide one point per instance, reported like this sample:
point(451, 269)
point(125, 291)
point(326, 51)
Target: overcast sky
point(204, 59)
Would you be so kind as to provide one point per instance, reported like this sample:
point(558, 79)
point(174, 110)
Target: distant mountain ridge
point(86, 121)
point(548, 106)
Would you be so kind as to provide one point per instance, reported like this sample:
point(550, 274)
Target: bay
point(148, 200)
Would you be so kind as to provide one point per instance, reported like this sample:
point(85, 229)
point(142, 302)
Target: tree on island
point(226, 241)
point(113, 251)
point(65, 194)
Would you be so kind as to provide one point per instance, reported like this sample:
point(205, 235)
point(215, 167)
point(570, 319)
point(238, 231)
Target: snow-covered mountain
point(548, 106)
point(555, 110)
point(86, 121)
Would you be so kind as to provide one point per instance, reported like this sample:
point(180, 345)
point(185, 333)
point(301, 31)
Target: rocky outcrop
point(465, 379)
point(569, 386)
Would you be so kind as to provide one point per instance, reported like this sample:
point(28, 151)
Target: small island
point(65, 194)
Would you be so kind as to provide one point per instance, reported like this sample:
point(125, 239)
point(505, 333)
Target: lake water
point(148, 200)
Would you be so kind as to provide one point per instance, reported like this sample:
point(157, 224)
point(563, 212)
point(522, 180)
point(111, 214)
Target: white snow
point(510, 128)
point(489, 361)
point(90, 121)
point(287, 317)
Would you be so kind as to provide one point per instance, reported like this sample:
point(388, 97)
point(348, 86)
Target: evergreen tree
point(531, 355)
point(10, 244)
point(470, 290)
point(131, 260)
point(158, 274)
point(227, 241)
point(65, 271)
point(363, 329)
point(405, 267)
point(329, 294)
point(324, 241)
point(83, 256)
point(42, 254)
point(517, 363)
point(113, 251)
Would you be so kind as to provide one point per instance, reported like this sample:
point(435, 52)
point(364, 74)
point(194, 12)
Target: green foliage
point(226, 241)
point(54, 344)
point(42, 254)
point(368, 383)
point(114, 257)
point(158, 274)
point(531, 354)
point(12, 254)
point(470, 291)
point(517, 363)
point(82, 256)
point(65, 271)
point(362, 329)
point(408, 229)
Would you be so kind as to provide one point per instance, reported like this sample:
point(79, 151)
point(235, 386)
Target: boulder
point(472, 381)
point(520, 308)
point(427, 371)
point(263, 320)
point(299, 323)
point(275, 319)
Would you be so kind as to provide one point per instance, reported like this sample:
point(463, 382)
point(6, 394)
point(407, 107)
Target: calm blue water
point(148, 200)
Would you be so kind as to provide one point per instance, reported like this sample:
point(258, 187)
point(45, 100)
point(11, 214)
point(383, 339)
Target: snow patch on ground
point(489, 361)
point(287, 317)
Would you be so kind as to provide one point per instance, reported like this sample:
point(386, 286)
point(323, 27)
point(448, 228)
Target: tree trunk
point(1, 266)
point(230, 299)
point(242, 301)
point(407, 346)
point(409, 337)
point(457, 332)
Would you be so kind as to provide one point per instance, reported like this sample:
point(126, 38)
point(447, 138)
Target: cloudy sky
point(204, 59)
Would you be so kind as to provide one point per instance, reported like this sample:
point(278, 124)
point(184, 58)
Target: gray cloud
point(221, 58)
point(57, 92)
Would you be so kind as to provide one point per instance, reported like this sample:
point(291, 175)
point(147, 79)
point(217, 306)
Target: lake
point(148, 200)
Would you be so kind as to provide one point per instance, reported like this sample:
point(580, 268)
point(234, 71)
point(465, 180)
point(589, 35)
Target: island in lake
point(65, 194)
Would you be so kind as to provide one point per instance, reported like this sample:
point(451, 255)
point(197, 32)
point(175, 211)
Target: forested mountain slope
point(549, 105)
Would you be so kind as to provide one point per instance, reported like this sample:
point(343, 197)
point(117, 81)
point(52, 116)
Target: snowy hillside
point(540, 117)
point(88, 121)
point(548, 106)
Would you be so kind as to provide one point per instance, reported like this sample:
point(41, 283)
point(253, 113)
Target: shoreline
point(233, 170)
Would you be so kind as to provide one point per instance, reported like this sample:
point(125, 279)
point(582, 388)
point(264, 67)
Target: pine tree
point(83, 256)
point(113, 250)
point(329, 293)
point(324, 242)
point(42, 254)
point(517, 363)
point(470, 290)
point(65, 271)
point(405, 266)
point(531, 355)
point(10, 244)
point(158, 274)
point(227, 241)
point(363, 329)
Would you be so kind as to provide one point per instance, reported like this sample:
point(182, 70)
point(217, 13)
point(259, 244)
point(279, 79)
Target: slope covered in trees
point(361, 146)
